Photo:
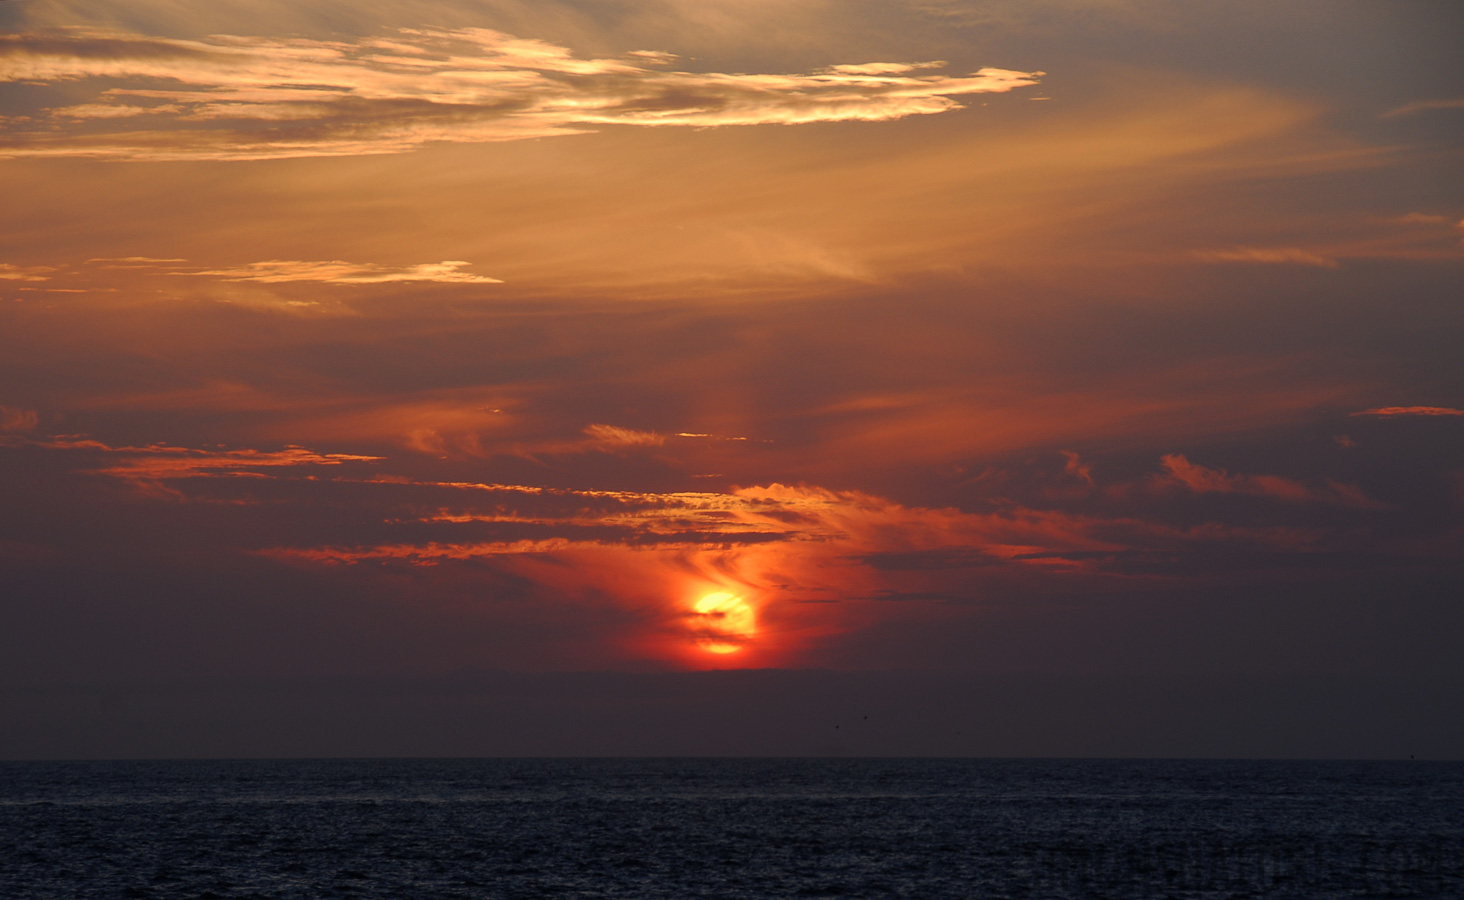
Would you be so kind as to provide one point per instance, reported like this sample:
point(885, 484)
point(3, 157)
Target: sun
point(725, 622)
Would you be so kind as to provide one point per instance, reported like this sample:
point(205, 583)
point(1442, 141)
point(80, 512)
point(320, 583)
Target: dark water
point(731, 828)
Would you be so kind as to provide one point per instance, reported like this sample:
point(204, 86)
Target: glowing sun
point(724, 622)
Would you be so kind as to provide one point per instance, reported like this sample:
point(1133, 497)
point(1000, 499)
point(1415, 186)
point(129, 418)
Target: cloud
point(152, 466)
point(14, 419)
point(1389, 412)
point(612, 436)
point(1179, 471)
point(234, 97)
point(1418, 106)
point(10, 272)
point(816, 531)
point(838, 529)
point(1073, 465)
point(134, 262)
point(1273, 255)
point(1417, 218)
point(273, 271)
point(338, 272)
point(809, 561)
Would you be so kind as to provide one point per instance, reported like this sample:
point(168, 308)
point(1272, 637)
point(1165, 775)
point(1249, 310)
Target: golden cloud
point(232, 97)
point(336, 271)
point(9, 272)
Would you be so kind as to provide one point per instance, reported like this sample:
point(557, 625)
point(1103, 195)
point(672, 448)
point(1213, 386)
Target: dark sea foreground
point(682, 828)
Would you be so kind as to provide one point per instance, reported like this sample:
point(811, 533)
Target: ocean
point(731, 828)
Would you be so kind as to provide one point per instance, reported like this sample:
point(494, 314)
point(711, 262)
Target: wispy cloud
point(1179, 471)
point(1394, 411)
point(1418, 106)
point(232, 97)
point(1073, 465)
point(844, 524)
point(15, 419)
point(339, 272)
point(1272, 255)
point(10, 272)
point(613, 436)
point(152, 466)
point(807, 560)
point(272, 271)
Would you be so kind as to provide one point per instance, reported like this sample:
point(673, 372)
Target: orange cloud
point(807, 561)
point(9, 272)
point(151, 466)
point(1394, 411)
point(793, 554)
point(231, 97)
point(611, 436)
point(275, 271)
point(637, 212)
point(1291, 255)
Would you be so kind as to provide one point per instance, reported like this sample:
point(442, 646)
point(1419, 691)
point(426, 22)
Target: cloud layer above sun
point(472, 335)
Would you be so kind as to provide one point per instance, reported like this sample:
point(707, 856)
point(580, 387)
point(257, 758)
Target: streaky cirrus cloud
point(615, 436)
point(270, 271)
point(1414, 107)
point(811, 562)
point(335, 271)
point(239, 97)
point(1179, 471)
point(837, 528)
point(1273, 255)
point(151, 467)
point(1394, 411)
point(12, 272)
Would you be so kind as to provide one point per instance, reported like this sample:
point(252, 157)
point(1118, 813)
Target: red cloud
point(1179, 471)
point(1390, 411)
point(14, 419)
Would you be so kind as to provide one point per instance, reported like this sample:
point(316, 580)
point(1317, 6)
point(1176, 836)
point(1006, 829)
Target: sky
point(1065, 377)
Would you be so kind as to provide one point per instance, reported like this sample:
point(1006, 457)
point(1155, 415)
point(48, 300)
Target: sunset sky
point(392, 343)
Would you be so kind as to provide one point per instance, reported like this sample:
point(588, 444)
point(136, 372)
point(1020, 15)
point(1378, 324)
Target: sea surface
point(734, 828)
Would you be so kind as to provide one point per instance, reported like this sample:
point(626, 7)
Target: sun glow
point(725, 622)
